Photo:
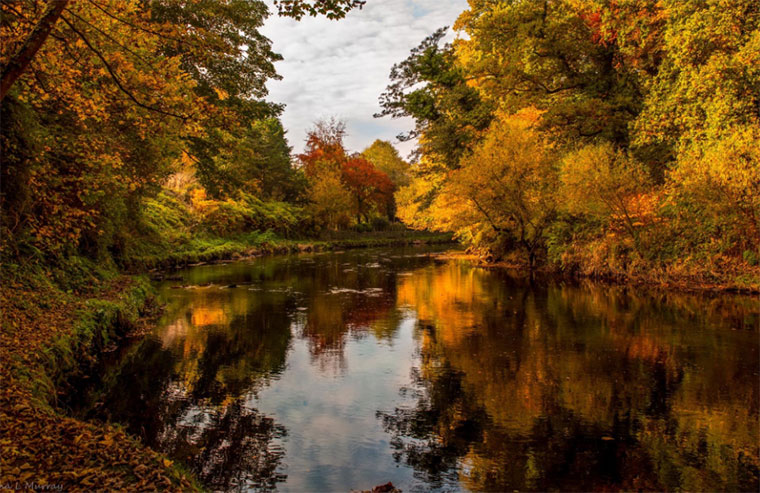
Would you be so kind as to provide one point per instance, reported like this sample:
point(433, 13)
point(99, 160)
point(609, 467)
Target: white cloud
point(339, 68)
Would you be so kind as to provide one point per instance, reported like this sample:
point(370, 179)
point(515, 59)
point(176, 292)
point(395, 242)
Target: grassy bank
point(171, 233)
point(215, 248)
point(56, 322)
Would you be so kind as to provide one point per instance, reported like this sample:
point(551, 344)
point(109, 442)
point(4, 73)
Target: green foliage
point(255, 159)
point(379, 223)
point(430, 87)
point(550, 55)
point(649, 108)
point(385, 158)
point(332, 9)
point(249, 213)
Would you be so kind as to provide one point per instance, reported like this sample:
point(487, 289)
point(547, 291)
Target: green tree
point(385, 157)
point(431, 87)
point(551, 55)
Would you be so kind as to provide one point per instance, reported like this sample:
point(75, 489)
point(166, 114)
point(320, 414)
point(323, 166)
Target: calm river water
point(345, 370)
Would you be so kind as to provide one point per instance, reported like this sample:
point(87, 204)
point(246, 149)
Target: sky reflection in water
point(328, 372)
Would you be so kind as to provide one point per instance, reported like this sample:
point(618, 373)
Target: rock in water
point(386, 488)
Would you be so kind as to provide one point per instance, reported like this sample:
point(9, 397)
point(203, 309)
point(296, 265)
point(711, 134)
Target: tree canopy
point(648, 109)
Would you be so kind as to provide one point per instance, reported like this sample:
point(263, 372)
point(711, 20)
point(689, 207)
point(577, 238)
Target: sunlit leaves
point(502, 195)
point(649, 106)
point(600, 181)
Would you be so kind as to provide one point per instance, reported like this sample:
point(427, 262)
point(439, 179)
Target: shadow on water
point(344, 370)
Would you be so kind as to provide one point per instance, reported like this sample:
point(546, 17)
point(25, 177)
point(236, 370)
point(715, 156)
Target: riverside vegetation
point(606, 139)
point(611, 139)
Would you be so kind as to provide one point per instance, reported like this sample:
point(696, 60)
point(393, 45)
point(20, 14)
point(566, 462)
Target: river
point(344, 370)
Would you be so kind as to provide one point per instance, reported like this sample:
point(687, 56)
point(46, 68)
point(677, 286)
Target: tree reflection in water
point(522, 387)
point(505, 385)
point(433, 436)
point(229, 447)
point(185, 394)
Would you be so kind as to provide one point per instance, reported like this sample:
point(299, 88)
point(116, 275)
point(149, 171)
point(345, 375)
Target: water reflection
point(346, 370)
point(523, 387)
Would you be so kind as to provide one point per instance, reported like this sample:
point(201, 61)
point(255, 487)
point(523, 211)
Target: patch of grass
point(210, 248)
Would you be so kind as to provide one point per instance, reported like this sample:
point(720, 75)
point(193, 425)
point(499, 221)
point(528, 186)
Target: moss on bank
point(52, 330)
point(209, 249)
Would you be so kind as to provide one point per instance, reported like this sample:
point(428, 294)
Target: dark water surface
point(340, 371)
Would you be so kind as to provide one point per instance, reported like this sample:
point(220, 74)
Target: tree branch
point(21, 60)
point(116, 78)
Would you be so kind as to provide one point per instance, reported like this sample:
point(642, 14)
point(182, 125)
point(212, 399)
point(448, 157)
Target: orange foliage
point(369, 186)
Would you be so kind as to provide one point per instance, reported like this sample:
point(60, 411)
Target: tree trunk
point(23, 57)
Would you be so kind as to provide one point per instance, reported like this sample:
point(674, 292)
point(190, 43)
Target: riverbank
point(58, 320)
point(214, 249)
point(683, 277)
point(53, 329)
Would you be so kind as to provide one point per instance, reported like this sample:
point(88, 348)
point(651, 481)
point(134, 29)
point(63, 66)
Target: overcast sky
point(339, 68)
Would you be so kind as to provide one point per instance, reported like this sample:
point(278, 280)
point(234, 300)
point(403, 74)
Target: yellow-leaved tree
point(608, 185)
point(330, 202)
point(502, 196)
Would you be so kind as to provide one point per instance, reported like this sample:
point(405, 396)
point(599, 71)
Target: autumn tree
point(16, 61)
point(104, 99)
point(649, 109)
point(503, 196)
point(431, 87)
point(330, 202)
point(325, 158)
point(90, 126)
point(371, 188)
point(26, 42)
point(702, 104)
point(386, 158)
point(609, 185)
point(324, 144)
point(551, 55)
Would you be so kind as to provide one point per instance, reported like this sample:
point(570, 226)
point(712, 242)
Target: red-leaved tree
point(369, 186)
